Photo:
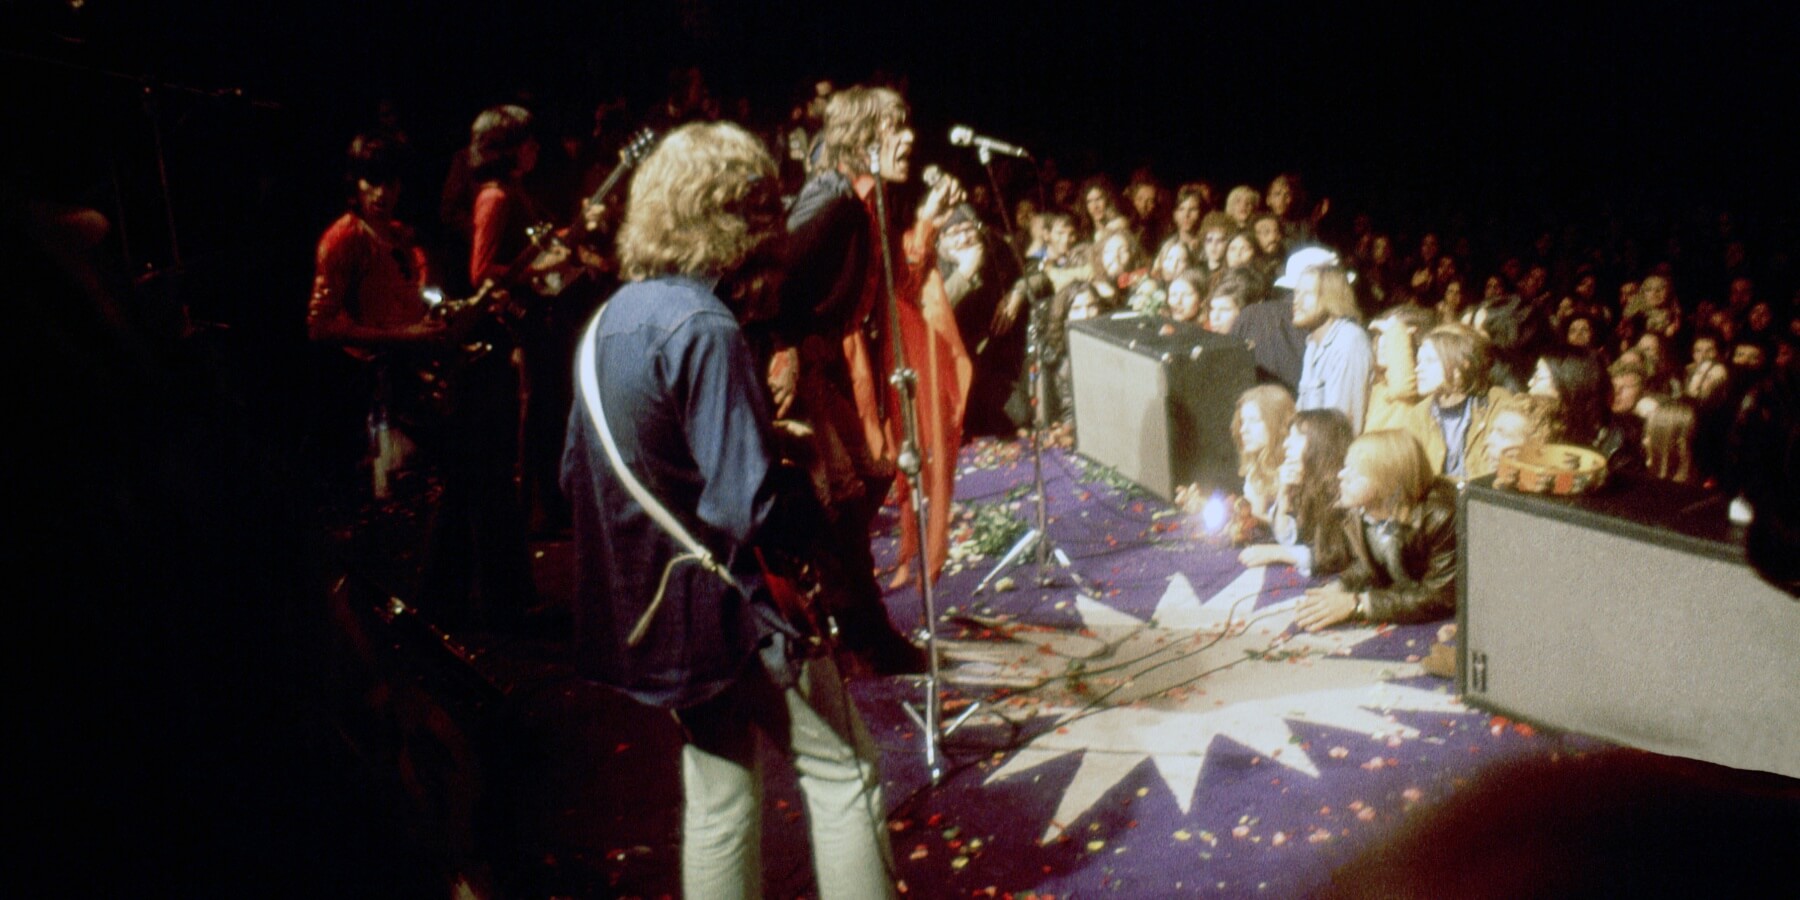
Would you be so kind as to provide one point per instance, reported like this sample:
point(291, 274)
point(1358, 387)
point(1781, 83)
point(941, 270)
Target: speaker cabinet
point(1158, 406)
point(1629, 616)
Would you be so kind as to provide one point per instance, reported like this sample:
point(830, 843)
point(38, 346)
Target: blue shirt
point(1334, 374)
point(1453, 422)
point(688, 413)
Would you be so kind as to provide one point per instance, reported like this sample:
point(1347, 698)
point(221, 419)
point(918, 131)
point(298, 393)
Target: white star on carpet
point(1125, 690)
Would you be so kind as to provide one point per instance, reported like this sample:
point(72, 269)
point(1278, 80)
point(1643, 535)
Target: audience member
point(1184, 299)
point(1582, 390)
point(1261, 419)
point(1307, 521)
point(1519, 421)
point(1190, 206)
point(1334, 373)
point(1402, 536)
point(1455, 416)
point(1242, 203)
point(1215, 230)
point(1669, 442)
point(1276, 343)
point(1288, 201)
point(1392, 391)
point(1233, 293)
point(1517, 333)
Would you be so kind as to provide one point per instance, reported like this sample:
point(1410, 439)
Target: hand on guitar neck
point(563, 256)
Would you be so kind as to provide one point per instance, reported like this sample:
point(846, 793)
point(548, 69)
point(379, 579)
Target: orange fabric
point(934, 349)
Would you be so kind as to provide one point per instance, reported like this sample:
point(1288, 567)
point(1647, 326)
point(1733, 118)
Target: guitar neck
point(628, 157)
point(612, 181)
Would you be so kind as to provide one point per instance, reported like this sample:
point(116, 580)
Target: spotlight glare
point(1212, 516)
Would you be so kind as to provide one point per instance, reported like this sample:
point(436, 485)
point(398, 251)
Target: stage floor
point(1167, 733)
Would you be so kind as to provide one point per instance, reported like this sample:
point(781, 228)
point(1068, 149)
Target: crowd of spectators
point(1607, 341)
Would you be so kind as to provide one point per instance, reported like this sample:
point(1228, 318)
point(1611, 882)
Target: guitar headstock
point(637, 148)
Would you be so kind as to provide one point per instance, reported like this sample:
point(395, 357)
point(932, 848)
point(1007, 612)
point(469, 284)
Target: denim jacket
point(689, 415)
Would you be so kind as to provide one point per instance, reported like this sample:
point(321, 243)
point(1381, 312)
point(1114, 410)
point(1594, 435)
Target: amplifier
point(1157, 406)
point(1631, 616)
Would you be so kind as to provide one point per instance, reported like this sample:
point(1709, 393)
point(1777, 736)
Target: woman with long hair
point(1257, 427)
point(1306, 520)
point(1451, 304)
point(1241, 255)
point(1100, 206)
point(1582, 389)
point(1215, 231)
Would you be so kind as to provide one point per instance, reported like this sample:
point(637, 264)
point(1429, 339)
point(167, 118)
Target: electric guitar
point(558, 261)
point(466, 341)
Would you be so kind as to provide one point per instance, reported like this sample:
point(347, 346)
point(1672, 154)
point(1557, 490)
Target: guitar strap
point(589, 379)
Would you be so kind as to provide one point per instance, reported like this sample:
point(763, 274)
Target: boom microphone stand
point(1039, 535)
point(910, 463)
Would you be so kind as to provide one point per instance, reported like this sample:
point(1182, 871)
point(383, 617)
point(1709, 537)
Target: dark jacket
point(1276, 343)
point(830, 249)
point(1416, 580)
point(686, 407)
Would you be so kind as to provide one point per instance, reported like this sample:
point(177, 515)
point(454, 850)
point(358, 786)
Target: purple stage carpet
point(1166, 732)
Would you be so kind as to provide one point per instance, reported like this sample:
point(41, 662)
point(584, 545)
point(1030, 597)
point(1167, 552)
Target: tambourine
point(1558, 469)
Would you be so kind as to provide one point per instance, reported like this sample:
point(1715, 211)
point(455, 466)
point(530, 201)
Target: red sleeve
point(490, 228)
point(340, 260)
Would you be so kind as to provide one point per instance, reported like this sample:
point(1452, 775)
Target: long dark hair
point(1317, 516)
point(1583, 394)
point(1517, 334)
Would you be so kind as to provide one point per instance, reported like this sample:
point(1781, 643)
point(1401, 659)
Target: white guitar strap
point(588, 376)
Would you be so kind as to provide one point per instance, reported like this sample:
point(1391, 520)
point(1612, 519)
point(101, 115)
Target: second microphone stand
point(1038, 536)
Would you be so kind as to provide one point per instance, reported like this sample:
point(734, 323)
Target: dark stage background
point(1651, 110)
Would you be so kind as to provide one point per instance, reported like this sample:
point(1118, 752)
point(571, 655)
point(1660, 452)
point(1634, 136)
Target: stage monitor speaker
point(1629, 616)
point(1157, 406)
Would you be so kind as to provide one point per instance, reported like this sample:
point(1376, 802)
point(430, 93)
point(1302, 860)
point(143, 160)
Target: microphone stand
point(1039, 535)
point(910, 463)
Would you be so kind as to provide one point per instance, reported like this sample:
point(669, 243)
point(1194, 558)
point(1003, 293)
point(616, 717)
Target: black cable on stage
point(1095, 705)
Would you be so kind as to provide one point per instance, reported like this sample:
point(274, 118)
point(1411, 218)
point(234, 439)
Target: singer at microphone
point(964, 136)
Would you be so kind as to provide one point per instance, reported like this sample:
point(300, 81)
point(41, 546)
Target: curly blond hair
point(705, 200)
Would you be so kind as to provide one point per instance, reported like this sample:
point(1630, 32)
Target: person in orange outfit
point(834, 349)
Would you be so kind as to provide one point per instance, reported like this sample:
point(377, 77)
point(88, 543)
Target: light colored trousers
point(817, 725)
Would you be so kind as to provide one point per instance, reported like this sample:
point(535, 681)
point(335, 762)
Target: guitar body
point(562, 262)
point(475, 334)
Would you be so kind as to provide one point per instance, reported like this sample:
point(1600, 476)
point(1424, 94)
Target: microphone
point(964, 136)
